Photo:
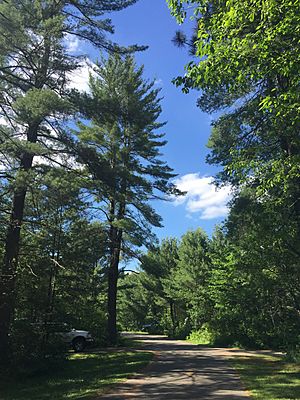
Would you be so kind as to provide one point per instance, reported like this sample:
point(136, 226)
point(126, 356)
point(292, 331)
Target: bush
point(26, 342)
point(293, 352)
point(34, 349)
point(204, 335)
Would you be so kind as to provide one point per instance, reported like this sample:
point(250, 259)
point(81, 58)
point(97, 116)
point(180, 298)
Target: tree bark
point(10, 260)
point(115, 237)
point(172, 314)
point(113, 273)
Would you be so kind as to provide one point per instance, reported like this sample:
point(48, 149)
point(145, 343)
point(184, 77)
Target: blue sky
point(149, 22)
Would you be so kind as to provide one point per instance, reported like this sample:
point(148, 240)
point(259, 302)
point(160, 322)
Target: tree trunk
point(173, 318)
point(113, 272)
point(10, 260)
point(48, 317)
point(115, 236)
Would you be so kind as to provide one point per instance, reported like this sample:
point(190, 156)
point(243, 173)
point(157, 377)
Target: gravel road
point(181, 370)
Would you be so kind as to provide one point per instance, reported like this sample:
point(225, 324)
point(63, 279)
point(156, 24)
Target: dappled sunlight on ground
point(182, 370)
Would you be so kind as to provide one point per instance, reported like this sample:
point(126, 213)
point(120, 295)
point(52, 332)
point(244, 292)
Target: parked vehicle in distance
point(75, 338)
point(152, 328)
point(78, 339)
point(146, 327)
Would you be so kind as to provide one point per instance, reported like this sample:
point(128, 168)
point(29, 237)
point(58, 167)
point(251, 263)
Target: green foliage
point(245, 67)
point(43, 276)
point(247, 55)
point(192, 276)
point(134, 303)
point(202, 336)
point(160, 265)
point(37, 104)
point(254, 295)
point(293, 354)
point(230, 290)
point(61, 278)
point(30, 348)
point(123, 137)
point(171, 287)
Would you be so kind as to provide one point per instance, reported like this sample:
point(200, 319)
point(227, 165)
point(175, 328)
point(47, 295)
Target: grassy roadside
point(269, 377)
point(266, 376)
point(81, 376)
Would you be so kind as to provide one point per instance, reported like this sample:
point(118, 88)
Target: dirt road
point(181, 370)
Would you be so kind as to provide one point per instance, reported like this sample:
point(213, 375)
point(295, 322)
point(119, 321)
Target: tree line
point(227, 289)
point(242, 285)
point(77, 170)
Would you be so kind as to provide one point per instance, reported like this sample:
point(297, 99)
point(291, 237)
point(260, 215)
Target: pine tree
point(127, 139)
point(35, 103)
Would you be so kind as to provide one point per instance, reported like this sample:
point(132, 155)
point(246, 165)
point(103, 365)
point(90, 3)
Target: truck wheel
point(78, 344)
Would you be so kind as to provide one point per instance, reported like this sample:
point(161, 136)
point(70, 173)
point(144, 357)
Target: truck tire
point(78, 344)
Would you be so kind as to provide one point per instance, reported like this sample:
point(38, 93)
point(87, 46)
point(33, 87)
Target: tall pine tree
point(127, 139)
point(35, 102)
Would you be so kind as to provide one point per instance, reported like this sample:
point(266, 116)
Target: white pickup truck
point(76, 338)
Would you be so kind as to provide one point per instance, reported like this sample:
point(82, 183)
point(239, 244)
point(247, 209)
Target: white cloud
point(202, 196)
point(54, 153)
point(79, 79)
point(3, 121)
point(72, 43)
point(158, 82)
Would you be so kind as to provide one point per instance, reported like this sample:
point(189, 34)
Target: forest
point(80, 170)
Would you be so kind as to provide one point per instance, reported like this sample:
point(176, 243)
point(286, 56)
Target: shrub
point(204, 335)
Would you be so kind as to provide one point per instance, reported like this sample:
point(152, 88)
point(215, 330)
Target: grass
point(81, 376)
point(128, 342)
point(269, 377)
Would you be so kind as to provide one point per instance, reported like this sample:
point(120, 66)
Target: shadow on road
point(182, 371)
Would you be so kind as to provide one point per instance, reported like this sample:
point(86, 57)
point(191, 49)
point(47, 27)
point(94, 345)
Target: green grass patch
point(128, 342)
point(269, 377)
point(81, 376)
